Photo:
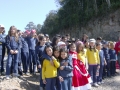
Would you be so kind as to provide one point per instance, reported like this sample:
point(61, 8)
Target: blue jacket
point(2, 41)
point(101, 54)
point(12, 44)
point(24, 45)
point(67, 71)
point(113, 55)
point(32, 43)
point(106, 53)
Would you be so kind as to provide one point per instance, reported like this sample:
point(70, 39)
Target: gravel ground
point(32, 83)
point(112, 83)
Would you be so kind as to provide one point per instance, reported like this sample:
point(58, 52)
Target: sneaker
point(102, 82)
point(99, 83)
point(7, 77)
point(95, 84)
point(27, 74)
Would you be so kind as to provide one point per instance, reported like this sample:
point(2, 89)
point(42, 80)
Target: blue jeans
point(112, 67)
point(32, 60)
point(92, 71)
point(12, 58)
point(99, 78)
point(25, 58)
point(50, 85)
point(58, 84)
point(67, 83)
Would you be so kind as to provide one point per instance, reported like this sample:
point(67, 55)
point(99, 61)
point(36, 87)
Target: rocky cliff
point(107, 26)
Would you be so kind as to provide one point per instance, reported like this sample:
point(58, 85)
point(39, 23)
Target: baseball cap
point(2, 26)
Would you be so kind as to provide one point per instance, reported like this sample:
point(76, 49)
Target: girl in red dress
point(81, 79)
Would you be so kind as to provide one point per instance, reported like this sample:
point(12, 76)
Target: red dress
point(81, 79)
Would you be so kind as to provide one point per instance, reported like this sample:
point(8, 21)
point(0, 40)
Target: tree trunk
point(109, 3)
point(95, 7)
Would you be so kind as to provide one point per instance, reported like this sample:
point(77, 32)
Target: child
point(102, 62)
point(82, 54)
point(25, 53)
point(13, 44)
point(113, 58)
point(32, 59)
point(93, 61)
point(65, 71)
point(2, 41)
point(56, 53)
point(81, 79)
point(39, 57)
point(106, 70)
point(49, 69)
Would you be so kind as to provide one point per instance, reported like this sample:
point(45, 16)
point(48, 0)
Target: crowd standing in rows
point(63, 63)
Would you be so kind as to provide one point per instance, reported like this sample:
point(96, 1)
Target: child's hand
point(51, 62)
point(44, 81)
point(11, 51)
point(39, 66)
point(61, 79)
point(66, 64)
point(62, 67)
point(98, 67)
point(16, 51)
point(53, 58)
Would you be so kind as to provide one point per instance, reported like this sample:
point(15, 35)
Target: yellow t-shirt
point(49, 71)
point(93, 57)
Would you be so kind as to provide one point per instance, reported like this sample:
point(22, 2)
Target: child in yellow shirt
point(49, 70)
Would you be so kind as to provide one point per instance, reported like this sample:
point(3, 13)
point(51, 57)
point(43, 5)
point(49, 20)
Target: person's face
point(24, 35)
point(73, 48)
point(13, 30)
point(49, 51)
point(112, 46)
point(92, 44)
point(98, 41)
point(65, 39)
point(56, 54)
point(105, 45)
point(63, 55)
point(87, 44)
point(99, 47)
point(43, 41)
point(58, 40)
point(1, 29)
point(80, 47)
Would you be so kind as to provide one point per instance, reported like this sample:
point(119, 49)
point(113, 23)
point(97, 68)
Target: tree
point(30, 26)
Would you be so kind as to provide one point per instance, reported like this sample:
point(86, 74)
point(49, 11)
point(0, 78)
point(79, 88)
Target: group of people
point(64, 63)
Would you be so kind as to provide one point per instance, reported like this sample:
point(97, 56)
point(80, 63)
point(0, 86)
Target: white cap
point(92, 40)
point(1, 26)
point(61, 43)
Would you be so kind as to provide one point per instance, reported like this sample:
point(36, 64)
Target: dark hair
point(98, 44)
point(63, 50)
point(56, 48)
point(54, 41)
point(40, 38)
point(47, 46)
point(72, 45)
point(99, 38)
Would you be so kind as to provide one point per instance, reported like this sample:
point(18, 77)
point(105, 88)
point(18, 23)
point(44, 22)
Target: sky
point(20, 12)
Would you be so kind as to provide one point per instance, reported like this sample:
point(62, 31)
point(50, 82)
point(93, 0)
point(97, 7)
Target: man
point(2, 41)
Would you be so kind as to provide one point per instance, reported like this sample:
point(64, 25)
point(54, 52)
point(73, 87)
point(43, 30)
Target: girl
point(65, 71)
point(55, 41)
point(113, 58)
point(81, 79)
point(49, 69)
point(82, 54)
point(102, 63)
point(13, 44)
point(56, 53)
point(93, 61)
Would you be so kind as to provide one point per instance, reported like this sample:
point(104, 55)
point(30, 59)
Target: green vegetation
point(76, 13)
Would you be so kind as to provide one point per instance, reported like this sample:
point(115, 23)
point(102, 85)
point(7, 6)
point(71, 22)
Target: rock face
point(107, 27)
